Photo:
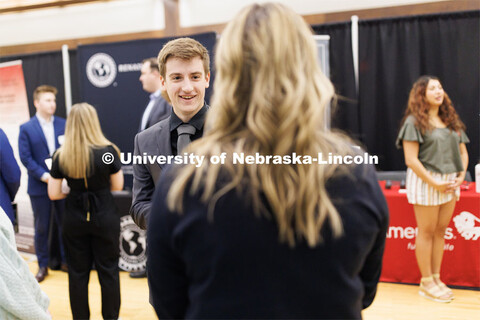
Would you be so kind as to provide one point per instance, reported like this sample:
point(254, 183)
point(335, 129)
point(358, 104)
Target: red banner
point(13, 96)
point(461, 259)
point(14, 112)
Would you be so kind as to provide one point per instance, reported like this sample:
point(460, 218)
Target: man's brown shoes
point(41, 274)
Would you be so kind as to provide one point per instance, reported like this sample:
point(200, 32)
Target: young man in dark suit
point(184, 66)
point(37, 141)
point(157, 108)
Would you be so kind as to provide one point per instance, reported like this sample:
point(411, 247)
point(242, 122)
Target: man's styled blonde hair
point(43, 89)
point(269, 98)
point(185, 49)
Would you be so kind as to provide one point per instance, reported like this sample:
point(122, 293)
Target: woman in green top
point(433, 140)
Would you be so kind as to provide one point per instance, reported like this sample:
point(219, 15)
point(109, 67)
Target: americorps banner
point(109, 78)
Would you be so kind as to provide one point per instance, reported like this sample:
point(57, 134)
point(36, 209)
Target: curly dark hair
point(418, 107)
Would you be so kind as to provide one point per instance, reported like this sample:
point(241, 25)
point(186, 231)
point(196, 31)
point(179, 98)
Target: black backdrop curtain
point(394, 53)
point(345, 114)
point(47, 68)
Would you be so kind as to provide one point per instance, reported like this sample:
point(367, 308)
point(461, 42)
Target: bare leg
point(427, 220)
point(444, 216)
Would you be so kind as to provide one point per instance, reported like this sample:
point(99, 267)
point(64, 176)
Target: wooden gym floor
point(393, 301)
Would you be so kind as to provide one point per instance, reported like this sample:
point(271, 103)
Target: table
point(461, 259)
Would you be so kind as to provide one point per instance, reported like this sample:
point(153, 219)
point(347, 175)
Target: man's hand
point(45, 177)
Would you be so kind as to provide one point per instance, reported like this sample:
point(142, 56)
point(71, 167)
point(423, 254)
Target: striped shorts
point(421, 193)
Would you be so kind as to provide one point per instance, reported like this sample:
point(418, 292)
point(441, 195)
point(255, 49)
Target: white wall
point(81, 21)
point(205, 12)
point(127, 16)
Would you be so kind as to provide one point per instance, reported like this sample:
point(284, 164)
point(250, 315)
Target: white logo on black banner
point(101, 70)
point(133, 246)
point(465, 224)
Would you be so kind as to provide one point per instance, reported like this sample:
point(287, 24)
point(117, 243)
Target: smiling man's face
point(185, 83)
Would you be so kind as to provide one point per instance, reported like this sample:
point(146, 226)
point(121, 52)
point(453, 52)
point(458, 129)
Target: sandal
point(434, 292)
point(441, 285)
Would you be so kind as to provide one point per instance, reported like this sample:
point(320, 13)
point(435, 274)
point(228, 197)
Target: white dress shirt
point(48, 132)
point(148, 109)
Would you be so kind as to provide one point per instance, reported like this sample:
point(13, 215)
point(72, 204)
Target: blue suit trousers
point(42, 211)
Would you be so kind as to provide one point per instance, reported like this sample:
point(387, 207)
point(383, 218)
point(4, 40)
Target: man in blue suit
point(37, 141)
point(9, 176)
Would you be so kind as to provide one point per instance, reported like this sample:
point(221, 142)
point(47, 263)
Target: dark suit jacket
point(229, 263)
point(33, 150)
point(152, 141)
point(161, 110)
point(9, 175)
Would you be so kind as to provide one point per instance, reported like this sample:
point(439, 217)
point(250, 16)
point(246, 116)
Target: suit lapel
point(152, 114)
point(162, 138)
point(58, 131)
point(156, 112)
point(163, 147)
point(141, 119)
point(38, 128)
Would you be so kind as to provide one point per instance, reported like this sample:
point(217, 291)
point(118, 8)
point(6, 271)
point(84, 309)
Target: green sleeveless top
point(439, 149)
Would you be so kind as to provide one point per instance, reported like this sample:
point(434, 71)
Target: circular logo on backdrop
point(133, 246)
point(101, 70)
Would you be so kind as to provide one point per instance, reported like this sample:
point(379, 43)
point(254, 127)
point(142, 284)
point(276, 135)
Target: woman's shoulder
point(345, 174)
point(99, 152)
point(410, 120)
point(355, 188)
point(352, 180)
point(102, 149)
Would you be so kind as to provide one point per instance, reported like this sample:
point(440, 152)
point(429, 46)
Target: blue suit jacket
point(33, 150)
point(9, 175)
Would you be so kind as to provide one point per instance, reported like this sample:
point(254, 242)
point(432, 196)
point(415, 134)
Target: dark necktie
point(184, 131)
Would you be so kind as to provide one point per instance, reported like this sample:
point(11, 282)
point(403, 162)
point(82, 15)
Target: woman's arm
point(464, 156)
point(55, 189)
point(116, 181)
point(410, 149)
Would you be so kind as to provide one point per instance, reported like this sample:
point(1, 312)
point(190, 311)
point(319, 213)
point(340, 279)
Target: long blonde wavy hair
point(82, 133)
point(269, 97)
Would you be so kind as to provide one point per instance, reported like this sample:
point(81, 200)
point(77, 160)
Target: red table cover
point(461, 260)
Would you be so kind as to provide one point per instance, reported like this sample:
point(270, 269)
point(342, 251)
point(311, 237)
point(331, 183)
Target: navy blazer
point(228, 263)
point(33, 151)
point(9, 175)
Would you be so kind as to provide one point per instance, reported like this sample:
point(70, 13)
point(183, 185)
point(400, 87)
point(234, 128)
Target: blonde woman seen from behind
point(433, 140)
point(266, 240)
point(91, 226)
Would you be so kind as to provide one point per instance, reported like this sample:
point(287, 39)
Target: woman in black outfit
point(276, 238)
point(91, 226)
